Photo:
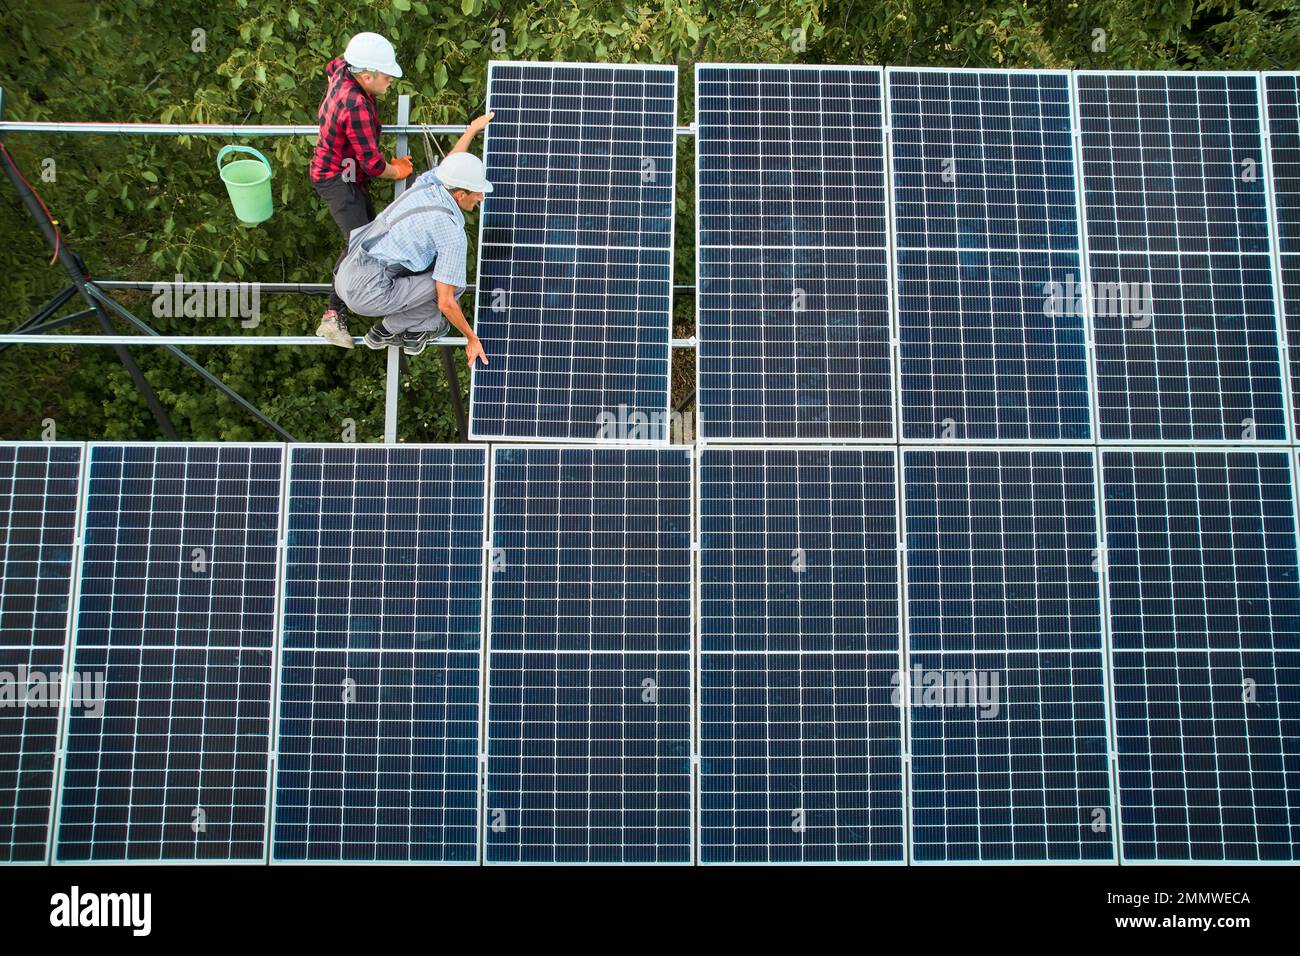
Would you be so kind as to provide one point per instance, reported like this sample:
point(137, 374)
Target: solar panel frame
point(109, 649)
point(1283, 208)
point(866, 654)
point(886, 249)
point(1052, 255)
point(59, 653)
point(474, 433)
point(1125, 455)
point(591, 653)
point(1070, 651)
point(446, 652)
point(1286, 413)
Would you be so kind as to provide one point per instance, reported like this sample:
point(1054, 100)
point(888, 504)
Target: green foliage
point(146, 207)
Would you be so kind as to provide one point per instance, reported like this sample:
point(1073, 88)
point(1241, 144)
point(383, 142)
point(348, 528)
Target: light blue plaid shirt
point(416, 240)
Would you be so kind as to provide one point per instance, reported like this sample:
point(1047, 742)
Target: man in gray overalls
point(408, 266)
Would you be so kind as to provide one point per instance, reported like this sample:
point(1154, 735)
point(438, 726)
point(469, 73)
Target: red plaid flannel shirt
point(349, 128)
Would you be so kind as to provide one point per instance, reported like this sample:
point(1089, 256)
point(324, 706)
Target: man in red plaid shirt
point(347, 152)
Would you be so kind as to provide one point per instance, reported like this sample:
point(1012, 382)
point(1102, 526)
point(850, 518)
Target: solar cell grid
point(982, 159)
point(991, 345)
point(1174, 188)
point(39, 491)
point(1006, 666)
point(793, 289)
point(176, 611)
point(980, 355)
point(1202, 363)
point(1163, 157)
point(575, 258)
point(589, 667)
point(801, 738)
point(1282, 108)
point(1205, 624)
point(379, 688)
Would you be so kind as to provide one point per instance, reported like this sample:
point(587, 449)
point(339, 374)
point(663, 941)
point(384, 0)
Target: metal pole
point(61, 321)
point(306, 288)
point(390, 395)
point(224, 130)
point(453, 386)
point(44, 312)
point(395, 352)
point(31, 338)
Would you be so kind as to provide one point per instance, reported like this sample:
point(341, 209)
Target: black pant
point(351, 206)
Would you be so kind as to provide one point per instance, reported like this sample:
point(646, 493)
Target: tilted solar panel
point(1282, 108)
point(987, 244)
point(800, 732)
point(574, 296)
point(39, 493)
point(1006, 659)
point(589, 656)
point(176, 611)
point(377, 752)
point(793, 319)
point(1179, 255)
point(1205, 631)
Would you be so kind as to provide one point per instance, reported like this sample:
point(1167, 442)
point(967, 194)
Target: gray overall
point(407, 301)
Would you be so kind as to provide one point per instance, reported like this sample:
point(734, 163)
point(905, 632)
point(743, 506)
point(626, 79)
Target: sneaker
point(413, 343)
point(380, 338)
point(333, 328)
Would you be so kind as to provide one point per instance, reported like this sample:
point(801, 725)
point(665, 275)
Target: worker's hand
point(402, 164)
point(473, 350)
point(476, 125)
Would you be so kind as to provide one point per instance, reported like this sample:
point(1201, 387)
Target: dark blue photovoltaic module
point(39, 494)
point(177, 613)
point(377, 753)
point(589, 657)
point(574, 301)
point(1205, 630)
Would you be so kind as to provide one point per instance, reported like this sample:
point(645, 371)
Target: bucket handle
point(242, 149)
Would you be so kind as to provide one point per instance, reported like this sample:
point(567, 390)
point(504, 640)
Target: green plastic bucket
point(249, 183)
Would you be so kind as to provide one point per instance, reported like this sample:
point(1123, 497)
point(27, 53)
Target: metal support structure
point(208, 377)
point(225, 130)
point(453, 386)
point(80, 277)
point(395, 352)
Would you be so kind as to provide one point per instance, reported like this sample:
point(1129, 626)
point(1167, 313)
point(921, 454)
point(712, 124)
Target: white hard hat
point(463, 171)
point(370, 51)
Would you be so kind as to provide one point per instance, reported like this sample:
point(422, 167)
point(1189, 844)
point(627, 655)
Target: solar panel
point(1177, 231)
point(793, 292)
point(1006, 680)
point(800, 737)
point(574, 300)
point(38, 525)
point(589, 656)
point(1205, 629)
point(378, 746)
point(1282, 108)
point(176, 614)
point(987, 246)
